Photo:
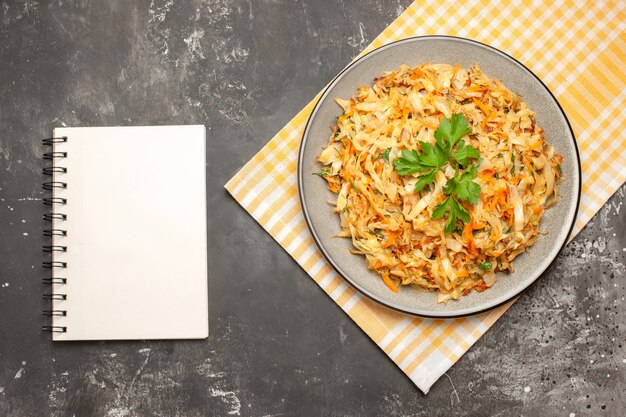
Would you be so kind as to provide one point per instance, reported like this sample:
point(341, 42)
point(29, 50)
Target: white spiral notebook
point(128, 233)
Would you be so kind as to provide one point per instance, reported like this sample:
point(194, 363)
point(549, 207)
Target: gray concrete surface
point(278, 346)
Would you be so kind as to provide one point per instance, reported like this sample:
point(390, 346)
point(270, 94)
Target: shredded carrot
point(499, 198)
point(485, 109)
point(476, 88)
point(391, 239)
point(469, 236)
point(334, 187)
point(379, 168)
point(392, 285)
point(516, 179)
point(509, 215)
point(558, 158)
point(486, 175)
point(462, 273)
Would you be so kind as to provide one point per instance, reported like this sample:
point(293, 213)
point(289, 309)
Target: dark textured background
point(278, 345)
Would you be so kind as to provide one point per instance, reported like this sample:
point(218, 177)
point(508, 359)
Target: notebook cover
point(136, 260)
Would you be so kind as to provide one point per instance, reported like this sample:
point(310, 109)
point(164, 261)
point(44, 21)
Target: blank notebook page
point(136, 260)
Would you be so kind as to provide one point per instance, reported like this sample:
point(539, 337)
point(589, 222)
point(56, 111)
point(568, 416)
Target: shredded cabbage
point(392, 225)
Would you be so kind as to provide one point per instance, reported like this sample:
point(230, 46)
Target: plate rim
point(316, 238)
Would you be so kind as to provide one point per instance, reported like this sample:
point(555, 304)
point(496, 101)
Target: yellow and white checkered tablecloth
point(577, 48)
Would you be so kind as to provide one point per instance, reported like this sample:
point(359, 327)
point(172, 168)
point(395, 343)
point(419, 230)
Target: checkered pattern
point(577, 48)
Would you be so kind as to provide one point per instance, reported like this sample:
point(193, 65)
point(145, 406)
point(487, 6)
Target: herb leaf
point(323, 172)
point(463, 187)
point(441, 208)
point(431, 159)
point(385, 155)
point(424, 180)
point(451, 222)
point(468, 190)
point(460, 210)
point(451, 130)
point(455, 210)
point(409, 163)
point(464, 153)
point(432, 156)
point(485, 265)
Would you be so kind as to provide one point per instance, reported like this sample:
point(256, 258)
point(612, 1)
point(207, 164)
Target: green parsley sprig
point(431, 160)
point(448, 149)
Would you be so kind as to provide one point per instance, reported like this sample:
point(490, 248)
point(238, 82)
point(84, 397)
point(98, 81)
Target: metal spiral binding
point(54, 216)
point(51, 216)
point(54, 264)
point(51, 201)
point(49, 186)
point(57, 280)
point(54, 155)
point(54, 232)
point(49, 171)
point(59, 297)
point(50, 313)
point(54, 329)
point(54, 248)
